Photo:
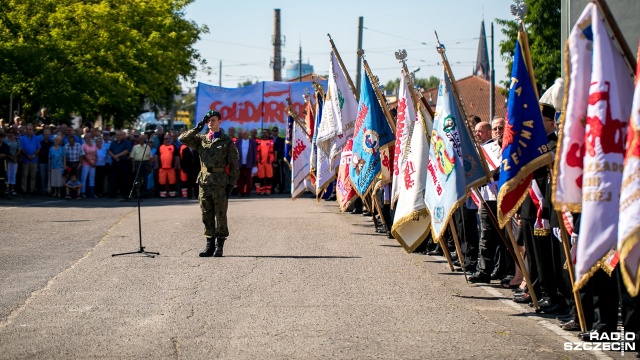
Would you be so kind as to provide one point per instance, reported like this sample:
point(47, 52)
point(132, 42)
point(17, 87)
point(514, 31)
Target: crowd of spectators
point(91, 162)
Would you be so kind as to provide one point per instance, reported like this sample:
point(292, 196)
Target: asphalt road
point(298, 280)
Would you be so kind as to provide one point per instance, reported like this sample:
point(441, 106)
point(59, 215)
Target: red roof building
point(475, 94)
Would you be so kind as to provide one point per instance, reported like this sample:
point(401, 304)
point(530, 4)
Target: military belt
point(211, 169)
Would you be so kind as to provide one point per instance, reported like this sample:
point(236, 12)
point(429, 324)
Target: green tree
point(429, 83)
point(542, 23)
point(95, 57)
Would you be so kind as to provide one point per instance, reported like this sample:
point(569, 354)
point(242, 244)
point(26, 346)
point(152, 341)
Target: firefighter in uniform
point(218, 173)
point(266, 157)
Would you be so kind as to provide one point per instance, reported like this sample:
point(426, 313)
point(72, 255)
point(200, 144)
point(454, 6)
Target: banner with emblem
point(454, 164)
point(344, 105)
point(301, 175)
point(405, 120)
point(328, 130)
point(344, 188)
point(609, 100)
point(629, 224)
point(313, 130)
point(411, 222)
point(567, 184)
point(524, 143)
point(371, 135)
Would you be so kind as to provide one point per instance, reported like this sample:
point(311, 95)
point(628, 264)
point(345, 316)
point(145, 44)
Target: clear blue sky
point(241, 32)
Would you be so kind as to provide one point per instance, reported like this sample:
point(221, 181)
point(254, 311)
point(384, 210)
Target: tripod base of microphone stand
point(141, 251)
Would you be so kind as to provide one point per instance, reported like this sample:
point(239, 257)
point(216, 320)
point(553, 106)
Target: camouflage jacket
point(215, 156)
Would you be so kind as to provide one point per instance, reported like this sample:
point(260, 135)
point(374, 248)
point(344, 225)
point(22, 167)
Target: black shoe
point(457, 264)
point(496, 276)
point(548, 308)
point(565, 317)
point(522, 299)
point(366, 213)
point(208, 251)
point(436, 252)
point(454, 255)
point(479, 277)
point(356, 211)
point(570, 325)
point(219, 247)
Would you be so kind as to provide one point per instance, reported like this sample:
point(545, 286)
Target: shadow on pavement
point(294, 256)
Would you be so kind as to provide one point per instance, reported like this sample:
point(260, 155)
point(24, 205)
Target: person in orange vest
point(168, 160)
point(266, 157)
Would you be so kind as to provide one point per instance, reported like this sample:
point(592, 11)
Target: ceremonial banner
point(405, 120)
point(371, 134)
point(629, 224)
point(344, 188)
point(344, 105)
point(313, 159)
point(256, 106)
point(454, 164)
point(524, 143)
point(328, 130)
point(300, 169)
point(411, 222)
point(608, 110)
point(567, 185)
point(288, 142)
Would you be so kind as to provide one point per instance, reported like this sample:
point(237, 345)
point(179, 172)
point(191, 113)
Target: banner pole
point(456, 241)
point(344, 69)
point(447, 256)
point(525, 273)
point(494, 221)
point(454, 85)
point(617, 34)
point(569, 263)
point(381, 100)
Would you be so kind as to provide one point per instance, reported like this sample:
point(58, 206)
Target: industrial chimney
point(277, 51)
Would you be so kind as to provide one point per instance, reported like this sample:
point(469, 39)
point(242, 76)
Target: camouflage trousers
point(214, 204)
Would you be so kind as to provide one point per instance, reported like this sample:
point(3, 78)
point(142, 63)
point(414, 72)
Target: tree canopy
point(96, 57)
point(393, 85)
point(542, 23)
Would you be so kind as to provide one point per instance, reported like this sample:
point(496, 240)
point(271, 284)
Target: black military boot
point(208, 251)
point(219, 247)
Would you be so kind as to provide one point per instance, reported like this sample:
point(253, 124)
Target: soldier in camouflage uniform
point(218, 175)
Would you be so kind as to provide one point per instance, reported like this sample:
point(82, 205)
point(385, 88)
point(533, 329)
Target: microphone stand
point(136, 186)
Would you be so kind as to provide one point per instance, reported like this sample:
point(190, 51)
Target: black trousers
point(119, 179)
point(470, 241)
point(490, 243)
point(545, 259)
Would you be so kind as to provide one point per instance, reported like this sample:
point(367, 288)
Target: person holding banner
point(218, 174)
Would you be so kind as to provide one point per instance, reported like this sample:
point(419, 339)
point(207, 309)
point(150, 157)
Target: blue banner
point(454, 164)
point(371, 134)
point(524, 143)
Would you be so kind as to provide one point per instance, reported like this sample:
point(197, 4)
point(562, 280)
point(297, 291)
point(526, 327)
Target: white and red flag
point(405, 120)
point(411, 222)
point(592, 142)
point(629, 224)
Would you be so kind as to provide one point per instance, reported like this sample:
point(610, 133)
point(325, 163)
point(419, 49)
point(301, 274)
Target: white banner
point(608, 110)
point(405, 120)
point(567, 193)
point(629, 225)
point(411, 220)
point(300, 169)
point(256, 106)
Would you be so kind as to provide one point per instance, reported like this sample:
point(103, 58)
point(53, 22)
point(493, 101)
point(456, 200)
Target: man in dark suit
point(247, 161)
point(278, 165)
